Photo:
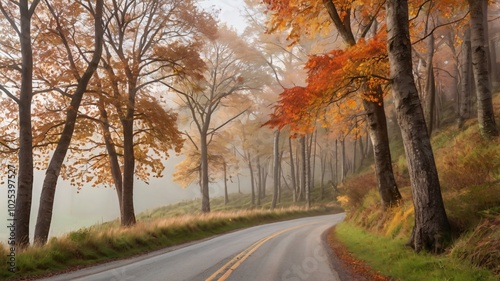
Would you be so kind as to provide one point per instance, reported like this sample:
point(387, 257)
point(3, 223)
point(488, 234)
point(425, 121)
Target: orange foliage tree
point(360, 67)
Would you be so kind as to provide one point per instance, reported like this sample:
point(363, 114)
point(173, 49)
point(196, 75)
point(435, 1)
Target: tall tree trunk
point(259, 180)
point(323, 172)
point(226, 197)
point(430, 83)
point(377, 129)
point(336, 161)
point(354, 147)
point(252, 181)
point(313, 167)
point(431, 226)
point(264, 180)
point(369, 144)
point(239, 184)
point(464, 105)
point(280, 175)
point(276, 170)
point(298, 175)
point(362, 154)
point(292, 171)
point(343, 165)
point(25, 173)
point(430, 102)
point(112, 154)
point(205, 197)
point(438, 112)
point(486, 33)
point(303, 181)
point(128, 214)
point(52, 173)
point(455, 74)
point(308, 171)
point(480, 63)
point(494, 65)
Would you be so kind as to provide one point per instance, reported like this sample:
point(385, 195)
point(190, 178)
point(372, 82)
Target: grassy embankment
point(469, 170)
point(156, 229)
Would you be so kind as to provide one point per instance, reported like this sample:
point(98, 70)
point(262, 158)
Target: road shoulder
point(348, 267)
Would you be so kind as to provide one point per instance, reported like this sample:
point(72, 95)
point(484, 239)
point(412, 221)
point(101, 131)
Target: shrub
point(357, 188)
point(482, 246)
point(471, 161)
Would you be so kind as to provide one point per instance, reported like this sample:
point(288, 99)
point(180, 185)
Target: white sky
point(231, 11)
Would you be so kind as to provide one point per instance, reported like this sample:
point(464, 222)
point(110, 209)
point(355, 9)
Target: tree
point(464, 105)
point(222, 163)
point(155, 134)
point(20, 22)
point(480, 64)
point(147, 44)
point(431, 227)
point(231, 70)
point(292, 14)
point(52, 173)
point(276, 169)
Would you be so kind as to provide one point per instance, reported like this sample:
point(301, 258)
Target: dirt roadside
point(348, 267)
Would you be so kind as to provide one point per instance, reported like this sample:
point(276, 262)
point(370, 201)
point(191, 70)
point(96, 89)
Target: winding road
point(290, 251)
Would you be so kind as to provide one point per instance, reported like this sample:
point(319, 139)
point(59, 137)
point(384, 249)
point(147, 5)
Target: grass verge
point(391, 258)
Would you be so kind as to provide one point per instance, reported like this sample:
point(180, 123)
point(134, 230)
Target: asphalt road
point(289, 251)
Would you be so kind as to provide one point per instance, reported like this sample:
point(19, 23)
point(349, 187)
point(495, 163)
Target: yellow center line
point(230, 266)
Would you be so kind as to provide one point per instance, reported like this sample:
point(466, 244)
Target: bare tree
point(230, 72)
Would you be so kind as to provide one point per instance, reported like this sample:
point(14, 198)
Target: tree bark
point(239, 184)
point(226, 196)
point(362, 154)
point(430, 88)
point(252, 181)
point(264, 180)
point(52, 174)
point(259, 181)
point(343, 165)
point(455, 74)
point(336, 162)
point(292, 171)
point(431, 227)
point(205, 197)
point(280, 174)
point(323, 172)
point(480, 63)
point(466, 81)
point(486, 33)
point(494, 66)
point(25, 154)
point(377, 129)
point(299, 172)
point(113, 156)
point(303, 181)
point(128, 213)
point(276, 170)
point(313, 166)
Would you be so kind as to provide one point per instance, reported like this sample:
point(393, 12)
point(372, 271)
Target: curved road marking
point(230, 266)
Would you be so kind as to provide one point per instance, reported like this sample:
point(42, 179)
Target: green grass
point(393, 259)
